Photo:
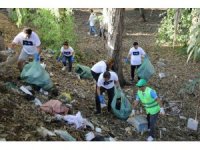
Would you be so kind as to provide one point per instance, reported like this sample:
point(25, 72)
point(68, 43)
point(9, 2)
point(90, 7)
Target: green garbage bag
point(83, 71)
point(120, 105)
point(34, 73)
point(146, 70)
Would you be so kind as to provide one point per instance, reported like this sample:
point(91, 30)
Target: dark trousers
point(64, 61)
point(95, 75)
point(102, 33)
point(133, 71)
point(110, 93)
point(152, 119)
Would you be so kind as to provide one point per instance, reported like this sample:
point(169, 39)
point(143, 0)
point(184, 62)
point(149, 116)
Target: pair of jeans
point(133, 67)
point(110, 93)
point(93, 29)
point(152, 119)
point(64, 61)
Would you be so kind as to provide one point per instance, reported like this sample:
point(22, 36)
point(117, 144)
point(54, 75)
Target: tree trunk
point(115, 22)
point(142, 15)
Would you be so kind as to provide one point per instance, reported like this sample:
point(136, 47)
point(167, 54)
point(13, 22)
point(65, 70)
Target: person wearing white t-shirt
point(92, 20)
point(101, 67)
point(106, 82)
point(135, 55)
point(30, 43)
point(67, 53)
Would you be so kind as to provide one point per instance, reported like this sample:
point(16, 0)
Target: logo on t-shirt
point(107, 82)
point(136, 53)
point(27, 43)
point(67, 53)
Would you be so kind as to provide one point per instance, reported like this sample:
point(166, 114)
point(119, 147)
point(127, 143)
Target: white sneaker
point(64, 68)
point(96, 35)
point(150, 138)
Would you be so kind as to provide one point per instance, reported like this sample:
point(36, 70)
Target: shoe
point(64, 68)
point(96, 35)
point(97, 112)
point(150, 138)
point(88, 33)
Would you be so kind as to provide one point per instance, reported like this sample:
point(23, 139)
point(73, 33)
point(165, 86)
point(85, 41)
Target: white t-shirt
point(107, 84)
point(92, 19)
point(29, 45)
point(99, 67)
point(67, 52)
point(136, 55)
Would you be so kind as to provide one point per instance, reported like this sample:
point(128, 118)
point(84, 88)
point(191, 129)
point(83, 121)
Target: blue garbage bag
point(34, 73)
point(120, 105)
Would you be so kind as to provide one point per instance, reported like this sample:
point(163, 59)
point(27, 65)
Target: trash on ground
point(78, 121)
point(162, 75)
point(64, 135)
point(139, 122)
point(98, 130)
point(161, 64)
point(89, 136)
point(65, 97)
point(2, 139)
point(37, 102)
point(43, 65)
point(45, 132)
point(54, 107)
point(183, 117)
point(192, 124)
point(44, 92)
point(173, 107)
point(25, 90)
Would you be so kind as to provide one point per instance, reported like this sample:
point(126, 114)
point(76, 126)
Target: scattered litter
point(45, 132)
point(54, 107)
point(89, 136)
point(29, 88)
point(161, 64)
point(59, 117)
point(110, 139)
point(192, 124)
point(78, 121)
point(25, 90)
point(37, 102)
point(103, 105)
point(162, 75)
point(43, 65)
point(65, 97)
point(163, 129)
point(139, 122)
point(183, 117)
point(43, 92)
point(98, 130)
point(173, 107)
point(128, 130)
point(51, 74)
point(64, 135)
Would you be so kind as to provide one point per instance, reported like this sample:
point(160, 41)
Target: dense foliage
point(54, 26)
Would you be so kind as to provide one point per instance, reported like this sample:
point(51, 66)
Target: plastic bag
point(83, 71)
point(146, 70)
point(34, 73)
point(125, 106)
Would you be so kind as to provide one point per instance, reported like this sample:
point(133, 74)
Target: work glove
point(162, 111)
point(58, 59)
point(37, 57)
point(126, 60)
point(132, 113)
point(72, 59)
point(101, 99)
